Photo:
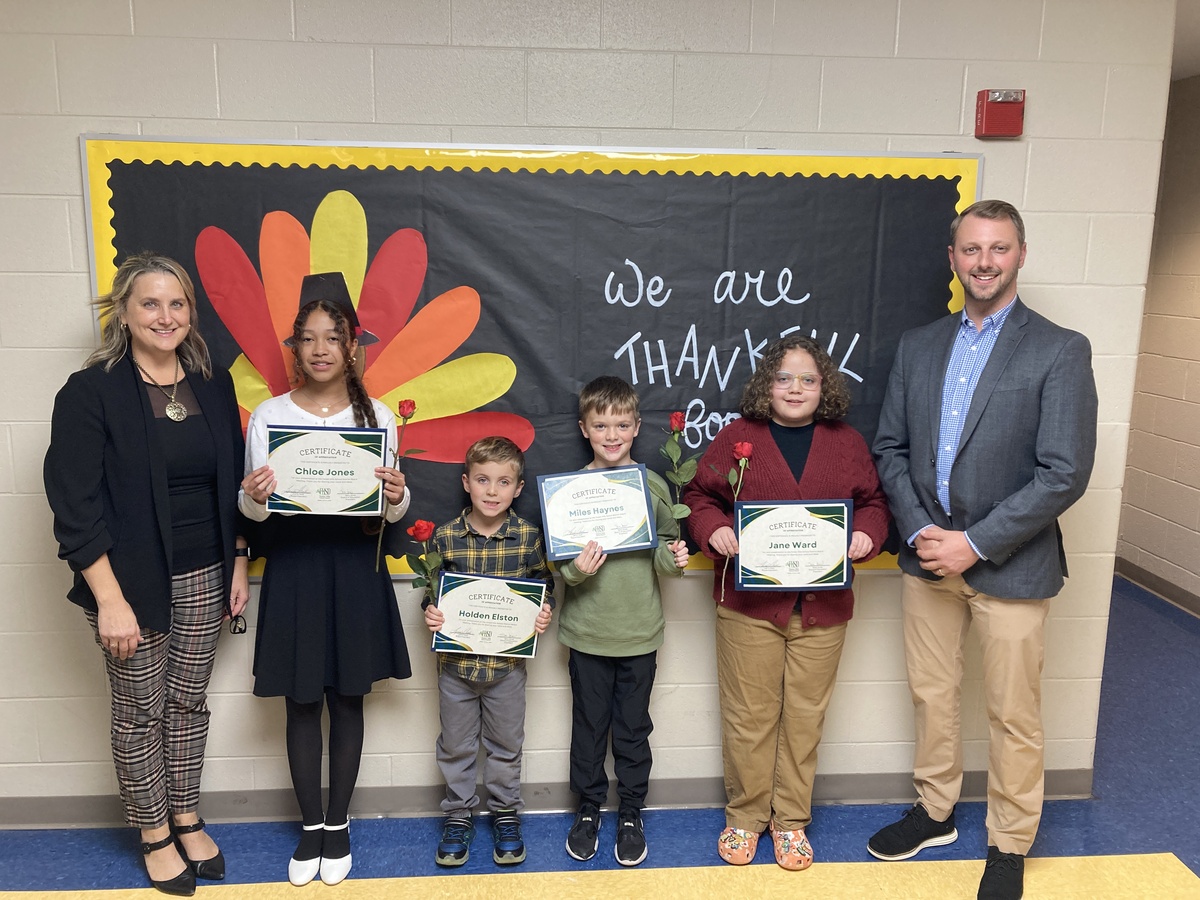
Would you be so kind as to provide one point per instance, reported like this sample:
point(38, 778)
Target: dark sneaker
point(454, 848)
point(506, 838)
point(584, 836)
point(913, 833)
point(1003, 876)
point(631, 839)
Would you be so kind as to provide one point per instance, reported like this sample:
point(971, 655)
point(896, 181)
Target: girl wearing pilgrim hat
point(328, 627)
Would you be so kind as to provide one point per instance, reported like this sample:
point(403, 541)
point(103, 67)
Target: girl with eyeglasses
point(778, 650)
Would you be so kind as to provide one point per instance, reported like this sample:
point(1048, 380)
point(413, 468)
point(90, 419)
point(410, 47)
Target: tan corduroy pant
point(774, 686)
point(937, 615)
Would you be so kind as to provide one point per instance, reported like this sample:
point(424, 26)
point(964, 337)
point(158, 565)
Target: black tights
point(304, 754)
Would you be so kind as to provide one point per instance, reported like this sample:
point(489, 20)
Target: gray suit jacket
point(1025, 455)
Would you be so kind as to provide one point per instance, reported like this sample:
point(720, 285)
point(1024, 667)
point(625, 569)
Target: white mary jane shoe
point(302, 871)
point(334, 871)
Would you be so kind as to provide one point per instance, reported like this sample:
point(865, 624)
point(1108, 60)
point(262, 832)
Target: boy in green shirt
point(612, 621)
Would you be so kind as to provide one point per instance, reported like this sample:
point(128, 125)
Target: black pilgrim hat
point(331, 286)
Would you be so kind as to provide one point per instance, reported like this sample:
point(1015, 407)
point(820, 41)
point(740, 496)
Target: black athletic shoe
point(454, 848)
point(508, 845)
point(1003, 876)
point(913, 833)
point(630, 848)
point(584, 836)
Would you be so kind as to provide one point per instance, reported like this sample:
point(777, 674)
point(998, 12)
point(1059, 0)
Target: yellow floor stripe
point(1161, 876)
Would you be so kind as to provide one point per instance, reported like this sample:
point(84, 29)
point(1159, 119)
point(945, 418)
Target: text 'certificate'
point(488, 615)
point(329, 471)
point(793, 545)
point(608, 506)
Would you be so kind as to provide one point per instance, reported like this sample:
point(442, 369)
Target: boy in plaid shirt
point(482, 698)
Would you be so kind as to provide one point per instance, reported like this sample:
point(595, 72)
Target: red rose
point(406, 410)
point(422, 529)
point(743, 450)
point(677, 421)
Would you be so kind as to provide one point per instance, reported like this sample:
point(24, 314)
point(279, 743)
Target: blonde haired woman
point(142, 474)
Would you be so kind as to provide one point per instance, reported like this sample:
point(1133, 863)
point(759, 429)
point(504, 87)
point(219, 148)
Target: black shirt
point(191, 462)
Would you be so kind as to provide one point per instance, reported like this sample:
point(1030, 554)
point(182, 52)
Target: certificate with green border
point(326, 471)
point(488, 615)
point(793, 545)
point(608, 506)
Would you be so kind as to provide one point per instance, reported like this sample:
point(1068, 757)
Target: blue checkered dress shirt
point(967, 359)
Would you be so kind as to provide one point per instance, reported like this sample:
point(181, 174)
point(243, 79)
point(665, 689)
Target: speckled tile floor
point(1147, 757)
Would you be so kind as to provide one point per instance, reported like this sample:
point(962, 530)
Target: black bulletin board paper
point(671, 270)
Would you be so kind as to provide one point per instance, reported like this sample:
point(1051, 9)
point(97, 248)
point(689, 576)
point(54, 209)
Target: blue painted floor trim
point(1147, 762)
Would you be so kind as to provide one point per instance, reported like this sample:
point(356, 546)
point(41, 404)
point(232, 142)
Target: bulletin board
point(500, 280)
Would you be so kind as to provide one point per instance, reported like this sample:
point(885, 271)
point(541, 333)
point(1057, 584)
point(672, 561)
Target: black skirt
point(326, 618)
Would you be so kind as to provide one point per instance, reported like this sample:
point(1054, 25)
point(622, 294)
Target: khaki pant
point(937, 615)
point(774, 687)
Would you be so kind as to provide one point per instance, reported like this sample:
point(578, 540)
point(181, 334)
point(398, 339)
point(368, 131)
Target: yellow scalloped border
point(99, 151)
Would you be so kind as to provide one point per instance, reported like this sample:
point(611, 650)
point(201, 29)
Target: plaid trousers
point(159, 714)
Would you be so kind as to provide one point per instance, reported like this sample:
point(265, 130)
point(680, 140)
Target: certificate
point(608, 506)
point(793, 545)
point(329, 471)
point(488, 615)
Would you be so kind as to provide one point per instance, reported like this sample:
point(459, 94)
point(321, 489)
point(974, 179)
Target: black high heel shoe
point(212, 869)
point(183, 884)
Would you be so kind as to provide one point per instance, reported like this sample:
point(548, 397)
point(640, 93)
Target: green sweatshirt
point(618, 610)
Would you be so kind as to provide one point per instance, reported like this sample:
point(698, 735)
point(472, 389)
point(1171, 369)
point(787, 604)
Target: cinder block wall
point(1160, 520)
point(862, 76)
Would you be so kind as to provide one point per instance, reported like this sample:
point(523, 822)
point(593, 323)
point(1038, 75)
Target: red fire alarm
point(999, 113)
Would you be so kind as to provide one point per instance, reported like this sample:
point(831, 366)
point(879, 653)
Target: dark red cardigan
point(839, 467)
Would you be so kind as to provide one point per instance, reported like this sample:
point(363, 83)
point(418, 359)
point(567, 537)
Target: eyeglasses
point(807, 380)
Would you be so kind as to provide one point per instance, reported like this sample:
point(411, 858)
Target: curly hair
point(364, 411)
point(114, 336)
point(835, 391)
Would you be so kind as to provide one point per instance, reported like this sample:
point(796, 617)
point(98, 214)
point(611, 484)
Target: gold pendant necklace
point(317, 403)
point(176, 411)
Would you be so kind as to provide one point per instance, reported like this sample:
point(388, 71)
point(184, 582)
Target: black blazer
point(106, 481)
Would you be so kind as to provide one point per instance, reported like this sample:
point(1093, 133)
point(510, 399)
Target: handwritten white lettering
point(655, 358)
point(723, 288)
point(650, 289)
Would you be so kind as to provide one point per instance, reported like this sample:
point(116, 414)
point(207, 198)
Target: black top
point(106, 480)
point(793, 442)
point(191, 479)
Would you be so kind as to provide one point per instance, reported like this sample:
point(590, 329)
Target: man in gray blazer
point(987, 435)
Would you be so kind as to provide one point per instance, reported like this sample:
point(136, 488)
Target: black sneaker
point(584, 836)
point(1003, 876)
point(506, 838)
point(454, 848)
point(631, 840)
point(913, 833)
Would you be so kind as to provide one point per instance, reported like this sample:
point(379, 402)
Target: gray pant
point(493, 712)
